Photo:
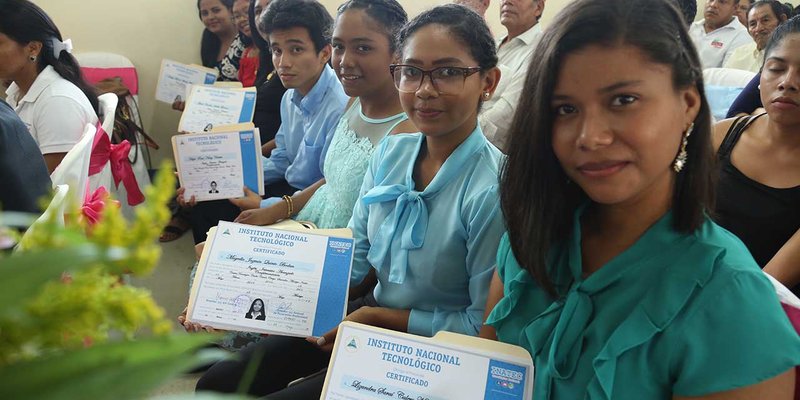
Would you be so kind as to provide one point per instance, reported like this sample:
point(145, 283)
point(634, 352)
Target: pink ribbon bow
point(104, 151)
point(94, 205)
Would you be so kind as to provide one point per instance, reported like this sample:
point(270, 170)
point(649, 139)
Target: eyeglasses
point(446, 80)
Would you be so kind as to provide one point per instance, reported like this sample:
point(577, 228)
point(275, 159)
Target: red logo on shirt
point(717, 44)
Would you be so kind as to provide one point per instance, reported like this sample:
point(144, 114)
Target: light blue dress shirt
point(307, 127)
point(433, 250)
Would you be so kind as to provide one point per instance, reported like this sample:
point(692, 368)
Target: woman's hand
point(179, 196)
point(263, 216)
point(178, 105)
point(190, 326)
point(381, 317)
point(249, 201)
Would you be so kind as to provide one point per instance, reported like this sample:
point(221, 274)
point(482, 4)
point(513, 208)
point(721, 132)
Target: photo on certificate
point(176, 78)
point(218, 166)
point(374, 363)
point(216, 108)
point(266, 280)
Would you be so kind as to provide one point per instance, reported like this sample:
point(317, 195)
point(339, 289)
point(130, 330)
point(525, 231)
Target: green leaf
point(123, 370)
point(25, 273)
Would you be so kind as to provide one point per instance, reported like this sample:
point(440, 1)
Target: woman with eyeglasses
point(427, 220)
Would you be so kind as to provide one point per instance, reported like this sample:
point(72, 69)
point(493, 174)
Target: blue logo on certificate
point(505, 381)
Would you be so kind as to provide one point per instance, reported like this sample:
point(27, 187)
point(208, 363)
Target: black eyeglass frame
point(466, 71)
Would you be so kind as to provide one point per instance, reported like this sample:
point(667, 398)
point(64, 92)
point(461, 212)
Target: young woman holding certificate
point(612, 275)
point(360, 50)
point(363, 46)
point(427, 220)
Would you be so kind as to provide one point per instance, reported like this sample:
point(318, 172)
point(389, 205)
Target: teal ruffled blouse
point(675, 314)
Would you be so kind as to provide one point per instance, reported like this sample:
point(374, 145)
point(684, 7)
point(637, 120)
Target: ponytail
point(25, 22)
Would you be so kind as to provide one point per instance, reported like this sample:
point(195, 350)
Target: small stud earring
point(683, 155)
point(32, 58)
point(486, 95)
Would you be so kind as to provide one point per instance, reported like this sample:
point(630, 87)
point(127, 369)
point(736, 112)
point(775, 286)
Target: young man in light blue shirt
point(310, 108)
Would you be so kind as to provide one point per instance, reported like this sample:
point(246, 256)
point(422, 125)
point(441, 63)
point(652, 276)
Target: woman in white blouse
point(47, 91)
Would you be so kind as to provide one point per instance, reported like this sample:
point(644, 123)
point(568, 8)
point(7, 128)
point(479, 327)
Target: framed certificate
point(375, 363)
point(216, 108)
point(214, 166)
point(276, 281)
point(175, 78)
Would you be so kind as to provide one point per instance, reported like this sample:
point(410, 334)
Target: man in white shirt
point(764, 16)
point(521, 19)
point(719, 33)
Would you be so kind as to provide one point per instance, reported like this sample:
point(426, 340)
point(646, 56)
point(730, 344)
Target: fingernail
point(321, 341)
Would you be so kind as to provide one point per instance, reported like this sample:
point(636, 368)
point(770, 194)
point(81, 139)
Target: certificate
point(175, 78)
point(213, 108)
point(216, 166)
point(266, 280)
point(375, 363)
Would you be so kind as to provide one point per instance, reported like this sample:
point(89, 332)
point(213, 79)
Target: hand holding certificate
point(214, 108)
point(375, 363)
point(265, 280)
point(217, 166)
point(175, 78)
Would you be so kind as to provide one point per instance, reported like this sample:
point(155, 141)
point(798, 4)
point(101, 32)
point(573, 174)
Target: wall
point(146, 31)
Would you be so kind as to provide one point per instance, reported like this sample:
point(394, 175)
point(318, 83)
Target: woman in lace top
point(361, 57)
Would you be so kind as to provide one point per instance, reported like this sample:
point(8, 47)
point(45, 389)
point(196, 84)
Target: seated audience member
point(612, 275)
point(221, 46)
point(741, 11)
point(521, 19)
point(22, 168)
point(270, 90)
point(363, 47)
point(436, 188)
point(299, 36)
point(479, 6)
point(764, 17)
point(759, 184)
point(718, 34)
point(47, 90)
point(249, 60)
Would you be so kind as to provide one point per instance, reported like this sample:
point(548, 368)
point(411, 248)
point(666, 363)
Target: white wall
point(147, 31)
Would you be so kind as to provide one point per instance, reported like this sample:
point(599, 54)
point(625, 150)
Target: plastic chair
point(55, 210)
point(108, 108)
point(722, 86)
point(97, 66)
point(74, 168)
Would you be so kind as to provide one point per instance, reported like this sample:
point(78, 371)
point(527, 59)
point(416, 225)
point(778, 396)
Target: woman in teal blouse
point(611, 274)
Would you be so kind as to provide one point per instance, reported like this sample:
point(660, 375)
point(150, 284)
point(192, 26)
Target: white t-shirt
point(747, 58)
point(54, 110)
point(717, 46)
point(514, 58)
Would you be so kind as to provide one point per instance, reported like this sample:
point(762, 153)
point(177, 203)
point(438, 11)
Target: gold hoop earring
point(683, 155)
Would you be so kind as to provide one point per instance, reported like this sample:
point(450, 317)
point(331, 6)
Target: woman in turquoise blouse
point(427, 219)
point(611, 274)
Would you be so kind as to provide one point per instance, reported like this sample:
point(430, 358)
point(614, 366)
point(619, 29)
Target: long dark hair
point(210, 43)
point(537, 201)
point(25, 22)
point(265, 65)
